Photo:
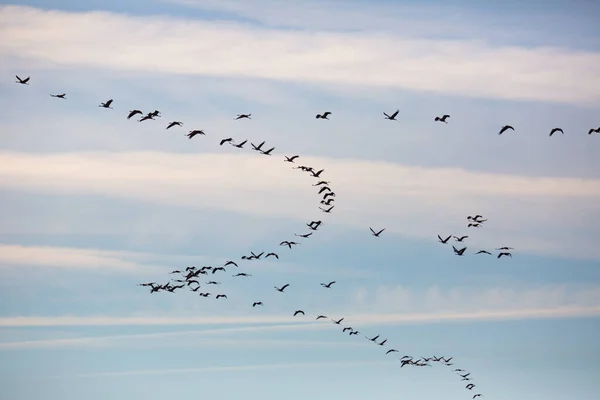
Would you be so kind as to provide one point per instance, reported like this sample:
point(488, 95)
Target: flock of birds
point(190, 276)
point(476, 221)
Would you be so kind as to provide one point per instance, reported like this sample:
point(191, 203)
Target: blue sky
point(92, 204)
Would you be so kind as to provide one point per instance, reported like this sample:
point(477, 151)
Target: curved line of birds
point(190, 275)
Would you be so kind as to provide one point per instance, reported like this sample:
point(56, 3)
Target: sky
point(93, 204)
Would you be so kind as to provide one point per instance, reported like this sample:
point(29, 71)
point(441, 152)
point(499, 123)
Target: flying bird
point(376, 234)
point(327, 210)
point(239, 145)
point(597, 130)
point(133, 112)
point(267, 152)
point(505, 248)
point(290, 159)
point(225, 141)
point(299, 312)
point(59, 96)
point(460, 239)
point(281, 289)
point(504, 254)
point(553, 131)
point(22, 81)
point(106, 104)
point(325, 115)
point(444, 241)
point(230, 263)
point(219, 296)
point(338, 322)
point(328, 286)
point(505, 128)
point(321, 317)
point(459, 252)
point(392, 117)
point(240, 116)
point(443, 119)
point(483, 252)
point(257, 303)
point(194, 133)
point(391, 351)
point(174, 123)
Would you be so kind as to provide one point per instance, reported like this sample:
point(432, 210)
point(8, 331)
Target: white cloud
point(254, 367)
point(64, 257)
point(551, 216)
point(46, 39)
point(386, 305)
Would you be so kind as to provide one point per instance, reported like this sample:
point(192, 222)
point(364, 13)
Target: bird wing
point(396, 113)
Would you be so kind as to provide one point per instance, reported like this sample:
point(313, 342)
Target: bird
point(59, 96)
point(326, 210)
point(460, 239)
point(240, 116)
point(376, 234)
point(230, 263)
point(328, 286)
point(133, 112)
point(299, 312)
point(373, 339)
point(241, 274)
point(505, 128)
point(290, 159)
point(239, 145)
point(504, 254)
point(391, 351)
point(317, 174)
point(475, 225)
point(597, 130)
point(443, 118)
point(146, 117)
point(22, 81)
point(106, 104)
point(459, 252)
point(267, 152)
point(324, 115)
point(219, 296)
point(281, 289)
point(306, 235)
point(321, 317)
point(257, 148)
point(321, 183)
point(338, 322)
point(477, 395)
point(470, 386)
point(347, 329)
point(505, 248)
point(288, 244)
point(213, 283)
point(272, 254)
point(553, 131)
point(257, 303)
point(222, 142)
point(444, 241)
point(194, 133)
point(392, 117)
point(174, 123)
point(483, 252)
point(383, 342)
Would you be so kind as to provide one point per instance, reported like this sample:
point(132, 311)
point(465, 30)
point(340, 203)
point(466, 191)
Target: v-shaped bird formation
point(196, 279)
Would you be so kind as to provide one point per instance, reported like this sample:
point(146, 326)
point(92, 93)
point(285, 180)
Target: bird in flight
point(281, 289)
point(194, 133)
point(222, 142)
point(443, 118)
point(376, 234)
point(299, 312)
point(326, 210)
point(22, 81)
point(505, 254)
point(505, 128)
point(239, 145)
point(553, 131)
point(240, 116)
point(483, 252)
point(392, 117)
point(597, 130)
point(106, 104)
point(174, 123)
point(290, 159)
point(460, 239)
point(59, 96)
point(219, 296)
point(505, 248)
point(338, 322)
point(325, 115)
point(444, 241)
point(257, 303)
point(459, 252)
point(133, 112)
point(267, 152)
point(321, 317)
point(328, 285)
point(391, 351)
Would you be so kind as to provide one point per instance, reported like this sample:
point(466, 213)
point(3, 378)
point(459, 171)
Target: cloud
point(384, 305)
point(254, 367)
point(67, 258)
point(354, 59)
point(541, 215)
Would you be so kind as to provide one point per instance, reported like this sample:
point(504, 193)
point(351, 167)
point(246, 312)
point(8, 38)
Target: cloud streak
point(359, 60)
point(370, 192)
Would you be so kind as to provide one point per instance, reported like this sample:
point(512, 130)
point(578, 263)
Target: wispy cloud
point(384, 305)
point(374, 188)
point(253, 367)
point(160, 44)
